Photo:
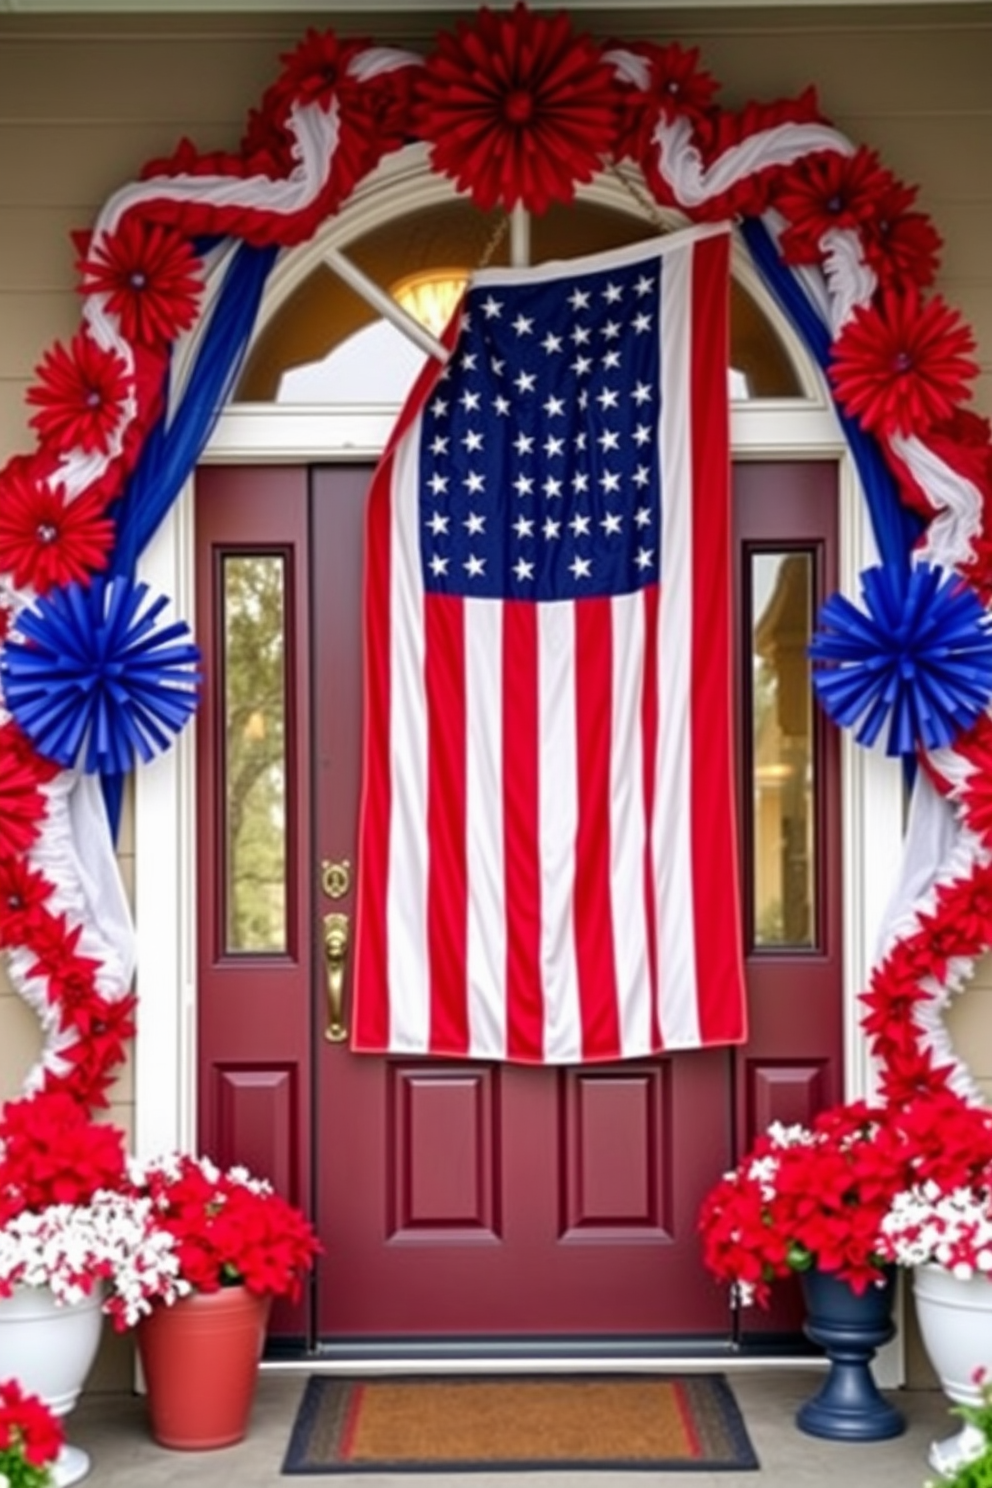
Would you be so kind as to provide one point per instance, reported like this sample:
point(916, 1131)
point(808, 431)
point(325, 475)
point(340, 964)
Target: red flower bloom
point(70, 976)
point(900, 366)
point(81, 395)
point(29, 1432)
point(517, 108)
point(962, 919)
point(819, 1194)
point(22, 804)
point(52, 1153)
point(372, 119)
point(805, 1195)
point(976, 794)
point(24, 892)
point(46, 541)
point(105, 1027)
point(902, 246)
point(823, 192)
point(676, 86)
point(313, 72)
point(150, 276)
point(228, 1227)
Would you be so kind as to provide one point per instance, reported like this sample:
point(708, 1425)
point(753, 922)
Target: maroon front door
point(453, 1198)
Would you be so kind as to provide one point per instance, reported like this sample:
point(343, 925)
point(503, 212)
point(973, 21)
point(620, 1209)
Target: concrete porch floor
point(112, 1428)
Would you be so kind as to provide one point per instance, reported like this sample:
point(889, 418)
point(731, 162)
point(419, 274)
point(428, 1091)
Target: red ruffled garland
point(515, 108)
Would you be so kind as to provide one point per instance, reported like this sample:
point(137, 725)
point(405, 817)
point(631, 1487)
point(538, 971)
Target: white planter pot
point(955, 1320)
point(50, 1347)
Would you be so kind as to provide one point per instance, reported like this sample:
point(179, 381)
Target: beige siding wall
point(85, 102)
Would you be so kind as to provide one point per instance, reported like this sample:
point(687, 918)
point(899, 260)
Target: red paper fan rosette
point(517, 109)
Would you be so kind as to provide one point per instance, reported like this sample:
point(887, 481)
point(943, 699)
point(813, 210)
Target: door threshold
point(519, 1355)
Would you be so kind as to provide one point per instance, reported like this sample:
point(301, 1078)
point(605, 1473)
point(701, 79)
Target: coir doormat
point(657, 1422)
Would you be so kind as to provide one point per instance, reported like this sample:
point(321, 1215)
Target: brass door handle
point(336, 935)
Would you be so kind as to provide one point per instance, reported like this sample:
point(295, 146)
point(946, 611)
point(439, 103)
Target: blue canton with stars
point(539, 466)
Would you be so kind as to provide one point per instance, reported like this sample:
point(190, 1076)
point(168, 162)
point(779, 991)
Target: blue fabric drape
point(896, 527)
point(175, 443)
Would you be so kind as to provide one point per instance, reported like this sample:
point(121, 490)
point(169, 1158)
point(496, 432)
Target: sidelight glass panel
point(255, 835)
point(784, 818)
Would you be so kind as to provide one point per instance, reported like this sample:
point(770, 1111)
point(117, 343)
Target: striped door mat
point(661, 1422)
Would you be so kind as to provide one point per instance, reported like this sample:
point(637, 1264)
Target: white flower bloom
point(70, 1248)
point(953, 1229)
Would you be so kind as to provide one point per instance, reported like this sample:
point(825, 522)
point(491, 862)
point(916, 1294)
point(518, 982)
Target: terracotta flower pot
point(200, 1360)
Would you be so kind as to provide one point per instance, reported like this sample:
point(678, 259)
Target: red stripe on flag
point(447, 875)
point(717, 916)
point(649, 736)
point(370, 997)
point(522, 868)
point(593, 901)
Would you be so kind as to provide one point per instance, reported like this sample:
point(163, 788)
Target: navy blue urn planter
point(849, 1328)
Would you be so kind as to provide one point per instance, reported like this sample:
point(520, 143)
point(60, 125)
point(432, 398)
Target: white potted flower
point(939, 1225)
point(76, 1243)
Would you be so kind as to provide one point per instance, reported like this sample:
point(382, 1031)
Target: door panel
point(785, 515)
point(490, 1199)
point(254, 1004)
point(455, 1199)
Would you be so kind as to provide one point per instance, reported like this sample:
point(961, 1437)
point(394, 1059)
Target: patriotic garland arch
point(516, 108)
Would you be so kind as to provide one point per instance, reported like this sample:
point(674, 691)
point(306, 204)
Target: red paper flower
point(676, 86)
point(80, 394)
point(902, 246)
point(318, 71)
point(150, 276)
point(24, 892)
point(823, 192)
point(975, 796)
point(46, 541)
point(52, 1153)
point(105, 1027)
point(313, 72)
point(70, 977)
point(22, 804)
point(517, 108)
point(900, 365)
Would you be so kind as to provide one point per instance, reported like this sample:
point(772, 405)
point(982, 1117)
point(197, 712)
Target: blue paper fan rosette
point(93, 681)
point(919, 660)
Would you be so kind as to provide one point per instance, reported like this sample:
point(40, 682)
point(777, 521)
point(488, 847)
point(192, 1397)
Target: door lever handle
point(337, 932)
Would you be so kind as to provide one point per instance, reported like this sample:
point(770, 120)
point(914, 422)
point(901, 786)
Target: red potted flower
point(30, 1438)
point(825, 1201)
point(74, 1245)
point(239, 1244)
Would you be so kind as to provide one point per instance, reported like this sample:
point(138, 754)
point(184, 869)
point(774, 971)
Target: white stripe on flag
point(406, 929)
point(486, 955)
point(627, 828)
point(558, 812)
point(671, 830)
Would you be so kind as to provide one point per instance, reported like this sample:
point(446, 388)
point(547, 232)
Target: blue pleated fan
point(92, 680)
point(919, 660)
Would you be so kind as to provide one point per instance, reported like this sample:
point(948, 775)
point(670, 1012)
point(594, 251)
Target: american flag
point(547, 869)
